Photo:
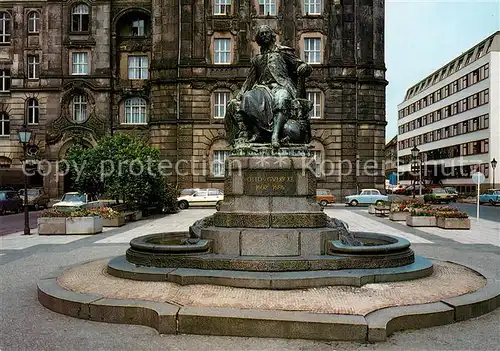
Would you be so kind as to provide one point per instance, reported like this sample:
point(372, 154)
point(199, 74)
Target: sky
point(421, 36)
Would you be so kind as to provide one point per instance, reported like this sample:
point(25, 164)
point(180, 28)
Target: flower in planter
point(105, 212)
point(452, 214)
point(423, 212)
point(406, 205)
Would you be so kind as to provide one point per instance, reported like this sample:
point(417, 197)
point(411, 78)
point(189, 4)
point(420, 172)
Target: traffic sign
point(478, 178)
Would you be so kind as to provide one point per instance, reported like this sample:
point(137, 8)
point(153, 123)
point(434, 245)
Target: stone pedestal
point(270, 191)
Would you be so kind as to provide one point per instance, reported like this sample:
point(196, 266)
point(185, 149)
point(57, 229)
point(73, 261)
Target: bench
point(382, 211)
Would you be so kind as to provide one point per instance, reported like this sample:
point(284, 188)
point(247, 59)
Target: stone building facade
point(164, 70)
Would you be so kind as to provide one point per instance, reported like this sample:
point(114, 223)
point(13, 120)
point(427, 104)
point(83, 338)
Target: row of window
point(462, 83)
point(469, 126)
point(136, 109)
point(135, 112)
point(267, 7)
point(79, 22)
point(80, 16)
point(468, 103)
point(221, 99)
point(137, 68)
point(223, 51)
point(477, 147)
point(453, 67)
point(439, 172)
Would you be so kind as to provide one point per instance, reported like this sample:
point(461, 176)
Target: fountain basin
point(170, 243)
point(372, 244)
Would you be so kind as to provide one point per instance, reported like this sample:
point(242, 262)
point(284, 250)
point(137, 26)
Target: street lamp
point(414, 154)
point(493, 166)
point(24, 138)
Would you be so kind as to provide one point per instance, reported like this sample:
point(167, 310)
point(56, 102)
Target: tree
point(121, 167)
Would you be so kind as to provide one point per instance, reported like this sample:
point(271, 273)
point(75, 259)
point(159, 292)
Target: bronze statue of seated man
point(260, 111)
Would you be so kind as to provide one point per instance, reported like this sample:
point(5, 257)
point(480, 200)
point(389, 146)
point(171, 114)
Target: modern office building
point(164, 70)
point(453, 118)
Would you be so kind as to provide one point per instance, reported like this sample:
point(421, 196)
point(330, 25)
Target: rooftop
point(492, 43)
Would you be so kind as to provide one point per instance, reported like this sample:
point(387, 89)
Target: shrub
point(423, 212)
point(429, 198)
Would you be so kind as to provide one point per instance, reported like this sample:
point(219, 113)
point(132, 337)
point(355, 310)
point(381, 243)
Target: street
point(28, 325)
point(12, 223)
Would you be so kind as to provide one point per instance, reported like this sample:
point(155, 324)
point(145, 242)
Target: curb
point(168, 318)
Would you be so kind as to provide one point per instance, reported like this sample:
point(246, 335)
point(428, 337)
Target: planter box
point(453, 223)
point(420, 221)
point(84, 225)
point(398, 216)
point(51, 225)
point(371, 209)
point(136, 216)
point(115, 222)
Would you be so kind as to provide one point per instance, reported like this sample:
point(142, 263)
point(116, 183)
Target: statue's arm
point(303, 69)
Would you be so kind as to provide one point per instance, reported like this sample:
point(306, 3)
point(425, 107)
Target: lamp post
point(24, 138)
point(414, 154)
point(493, 166)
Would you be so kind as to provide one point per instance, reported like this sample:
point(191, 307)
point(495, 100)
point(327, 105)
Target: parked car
point(439, 195)
point(10, 202)
point(74, 200)
point(453, 191)
point(37, 198)
point(366, 197)
point(491, 195)
point(409, 190)
point(399, 190)
point(324, 197)
point(200, 197)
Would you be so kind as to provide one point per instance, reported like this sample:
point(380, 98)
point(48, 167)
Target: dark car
point(37, 198)
point(10, 202)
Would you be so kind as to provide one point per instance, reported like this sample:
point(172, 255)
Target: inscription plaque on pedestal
point(269, 183)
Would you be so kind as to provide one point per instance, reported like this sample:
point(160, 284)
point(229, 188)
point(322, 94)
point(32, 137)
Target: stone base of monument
point(270, 192)
point(452, 293)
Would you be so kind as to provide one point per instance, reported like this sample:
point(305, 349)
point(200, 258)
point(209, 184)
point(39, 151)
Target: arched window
point(135, 111)
point(5, 29)
point(79, 108)
point(33, 22)
point(4, 124)
point(33, 111)
point(80, 18)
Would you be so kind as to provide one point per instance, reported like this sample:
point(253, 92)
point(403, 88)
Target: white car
point(200, 197)
point(366, 197)
point(72, 201)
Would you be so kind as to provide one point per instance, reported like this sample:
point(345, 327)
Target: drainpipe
point(112, 39)
point(178, 84)
point(356, 99)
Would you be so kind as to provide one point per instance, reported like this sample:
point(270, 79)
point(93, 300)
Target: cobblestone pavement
point(26, 325)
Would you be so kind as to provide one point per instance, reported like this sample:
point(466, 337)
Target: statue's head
point(265, 35)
